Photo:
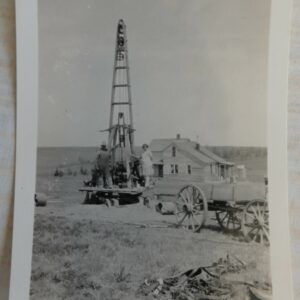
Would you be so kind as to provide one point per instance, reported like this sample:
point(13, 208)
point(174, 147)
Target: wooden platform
point(117, 190)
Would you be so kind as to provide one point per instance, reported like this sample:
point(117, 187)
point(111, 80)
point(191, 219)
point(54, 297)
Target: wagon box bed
point(235, 192)
point(237, 206)
point(239, 193)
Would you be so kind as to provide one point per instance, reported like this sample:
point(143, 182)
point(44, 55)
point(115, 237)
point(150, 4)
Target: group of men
point(107, 175)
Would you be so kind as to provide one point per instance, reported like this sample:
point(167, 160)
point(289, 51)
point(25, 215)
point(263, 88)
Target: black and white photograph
point(152, 176)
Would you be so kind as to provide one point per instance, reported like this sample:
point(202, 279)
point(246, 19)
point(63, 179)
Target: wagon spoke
point(255, 216)
point(261, 235)
point(237, 220)
point(197, 207)
point(188, 193)
point(185, 224)
point(182, 195)
point(254, 232)
point(254, 211)
point(266, 226)
point(266, 233)
point(183, 218)
point(258, 210)
point(251, 234)
point(192, 222)
point(188, 222)
point(193, 193)
point(251, 216)
point(194, 197)
point(228, 220)
point(197, 213)
point(226, 215)
point(257, 234)
point(253, 228)
point(197, 195)
point(189, 197)
point(185, 204)
point(232, 222)
point(251, 225)
point(192, 200)
point(198, 199)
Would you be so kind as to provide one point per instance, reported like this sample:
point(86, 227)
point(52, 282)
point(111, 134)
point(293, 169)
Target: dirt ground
point(99, 252)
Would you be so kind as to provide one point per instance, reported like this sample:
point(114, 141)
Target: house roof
point(189, 148)
point(159, 145)
point(212, 155)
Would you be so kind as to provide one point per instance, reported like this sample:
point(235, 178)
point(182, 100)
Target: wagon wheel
point(229, 219)
point(191, 208)
point(255, 221)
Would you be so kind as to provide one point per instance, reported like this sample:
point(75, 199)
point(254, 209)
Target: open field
point(255, 160)
point(96, 252)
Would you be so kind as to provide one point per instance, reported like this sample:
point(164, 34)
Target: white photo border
point(26, 147)
point(278, 64)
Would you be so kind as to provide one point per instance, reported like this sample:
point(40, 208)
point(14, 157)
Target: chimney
point(177, 136)
point(197, 146)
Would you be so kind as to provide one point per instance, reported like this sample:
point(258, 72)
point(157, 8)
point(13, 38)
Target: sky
point(197, 68)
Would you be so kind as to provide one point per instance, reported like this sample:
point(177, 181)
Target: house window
point(189, 169)
point(173, 151)
point(223, 171)
point(172, 169)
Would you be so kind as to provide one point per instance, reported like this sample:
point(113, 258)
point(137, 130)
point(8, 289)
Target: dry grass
point(88, 252)
point(88, 259)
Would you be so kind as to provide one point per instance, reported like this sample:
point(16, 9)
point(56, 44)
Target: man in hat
point(103, 165)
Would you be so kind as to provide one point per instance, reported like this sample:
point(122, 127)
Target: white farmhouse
point(185, 157)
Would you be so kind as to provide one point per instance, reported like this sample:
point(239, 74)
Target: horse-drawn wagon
point(241, 206)
point(237, 206)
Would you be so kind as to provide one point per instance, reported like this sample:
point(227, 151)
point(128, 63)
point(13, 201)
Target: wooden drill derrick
point(121, 133)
